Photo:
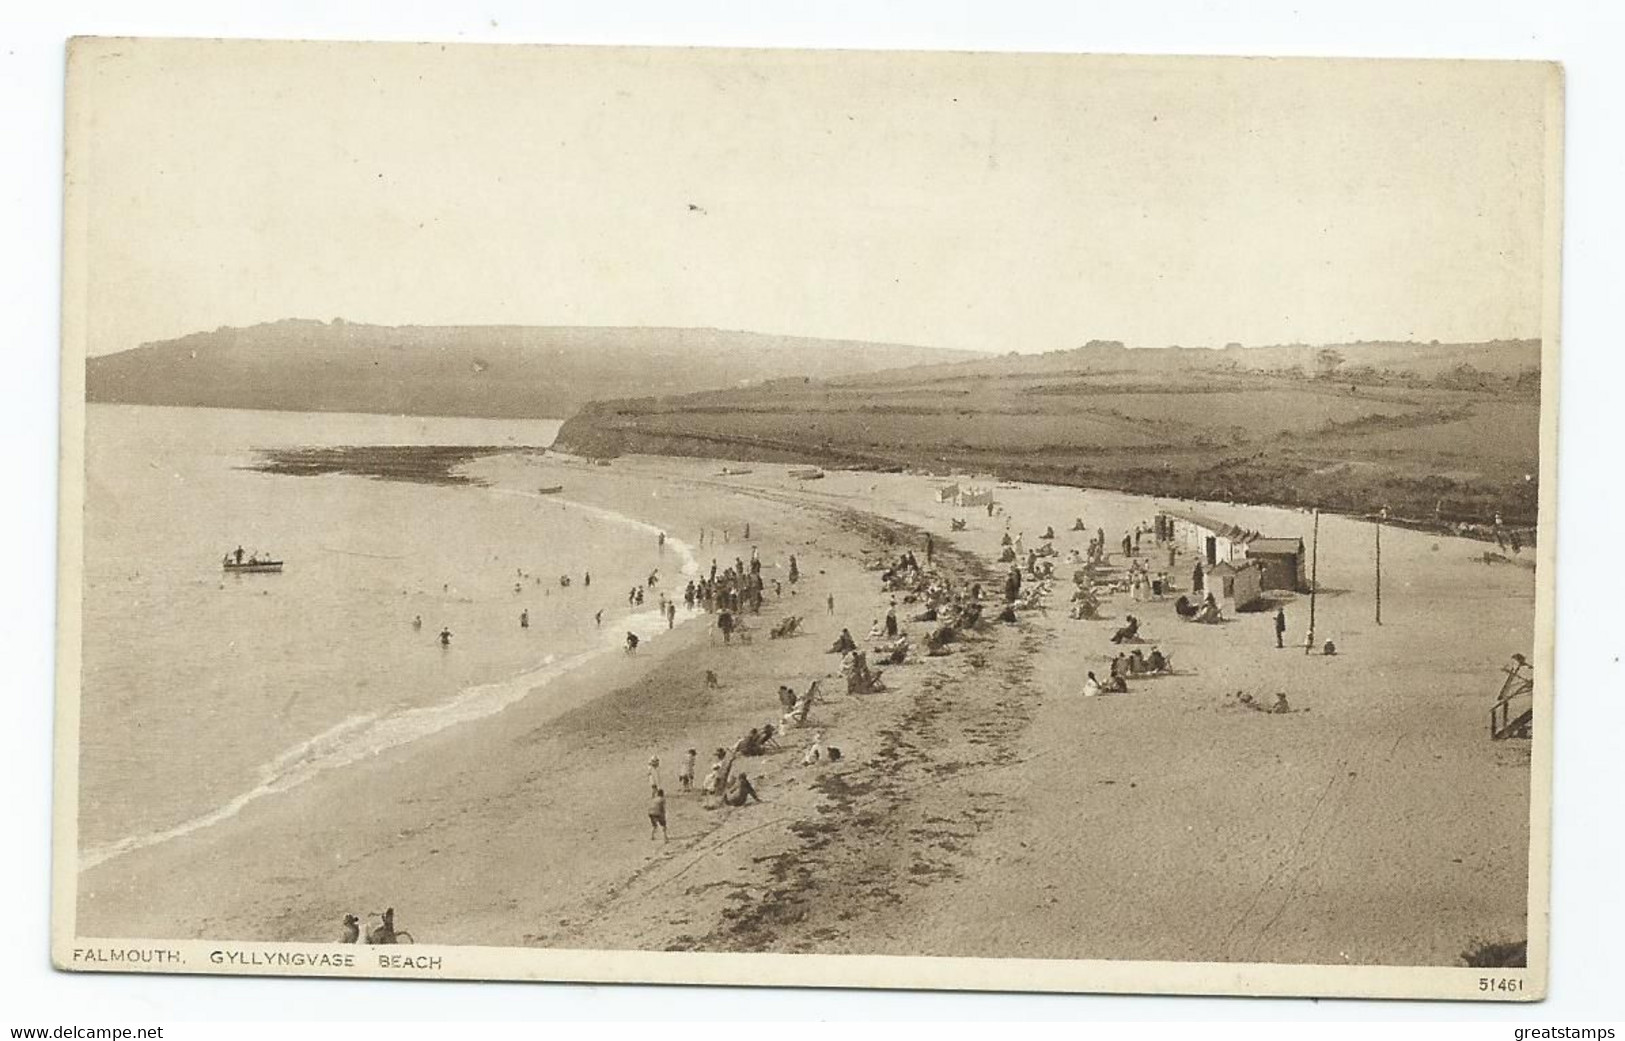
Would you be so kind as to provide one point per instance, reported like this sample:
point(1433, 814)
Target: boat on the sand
point(552, 489)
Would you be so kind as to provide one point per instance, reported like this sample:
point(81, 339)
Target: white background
point(1588, 850)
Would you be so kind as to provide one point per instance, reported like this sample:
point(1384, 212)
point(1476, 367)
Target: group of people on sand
point(735, 589)
point(723, 786)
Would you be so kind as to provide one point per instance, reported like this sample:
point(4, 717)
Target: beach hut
point(1281, 561)
point(974, 497)
point(1212, 540)
point(1236, 587)
point(948, 493)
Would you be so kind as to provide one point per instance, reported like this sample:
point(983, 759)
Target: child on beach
point(657, 814)
point(685, 777)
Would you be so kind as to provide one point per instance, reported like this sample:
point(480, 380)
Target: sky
point(987, 202)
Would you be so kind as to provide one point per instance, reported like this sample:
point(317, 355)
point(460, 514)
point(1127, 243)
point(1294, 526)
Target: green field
point(1430, 442)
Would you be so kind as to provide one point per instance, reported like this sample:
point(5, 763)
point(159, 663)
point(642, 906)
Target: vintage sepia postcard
point(985, 521)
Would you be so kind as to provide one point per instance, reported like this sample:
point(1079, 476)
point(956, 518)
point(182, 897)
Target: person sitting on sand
point(657, 814)
point(1156, 662)
point(719, 770)
point(815, 751)
point(750, 744)
point(352, 929)
point(1137, 663)
point(1091, 687)
point(740, 791)
point(385, 932)
point(631, 643)
point(844, 644)
point(877, 631)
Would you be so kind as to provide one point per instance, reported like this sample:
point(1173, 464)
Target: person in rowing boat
point(239, 554)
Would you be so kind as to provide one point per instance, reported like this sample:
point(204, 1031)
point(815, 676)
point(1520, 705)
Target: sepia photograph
point(1038, 522)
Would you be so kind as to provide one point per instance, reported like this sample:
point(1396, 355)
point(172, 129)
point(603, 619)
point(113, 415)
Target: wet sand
point(982, 807)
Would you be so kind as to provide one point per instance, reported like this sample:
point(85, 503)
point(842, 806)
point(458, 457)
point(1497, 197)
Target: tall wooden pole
point(1314, 583)
point(1379, 569)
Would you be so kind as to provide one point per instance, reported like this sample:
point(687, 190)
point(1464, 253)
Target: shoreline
point(925, 836)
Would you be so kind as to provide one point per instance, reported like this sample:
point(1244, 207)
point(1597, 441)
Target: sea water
point(202, 691)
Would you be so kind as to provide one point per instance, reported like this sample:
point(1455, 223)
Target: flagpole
point(1382, 515)
point(1314, 583)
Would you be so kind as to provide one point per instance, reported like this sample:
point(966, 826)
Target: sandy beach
point(982, 806)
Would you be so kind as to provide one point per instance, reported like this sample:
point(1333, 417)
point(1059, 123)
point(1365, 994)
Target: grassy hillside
point(1421, 429)
point(495, 371)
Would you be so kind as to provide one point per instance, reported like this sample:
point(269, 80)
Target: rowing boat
point(254, 567)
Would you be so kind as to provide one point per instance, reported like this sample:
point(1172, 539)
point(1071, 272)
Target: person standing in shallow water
point(445, 637)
